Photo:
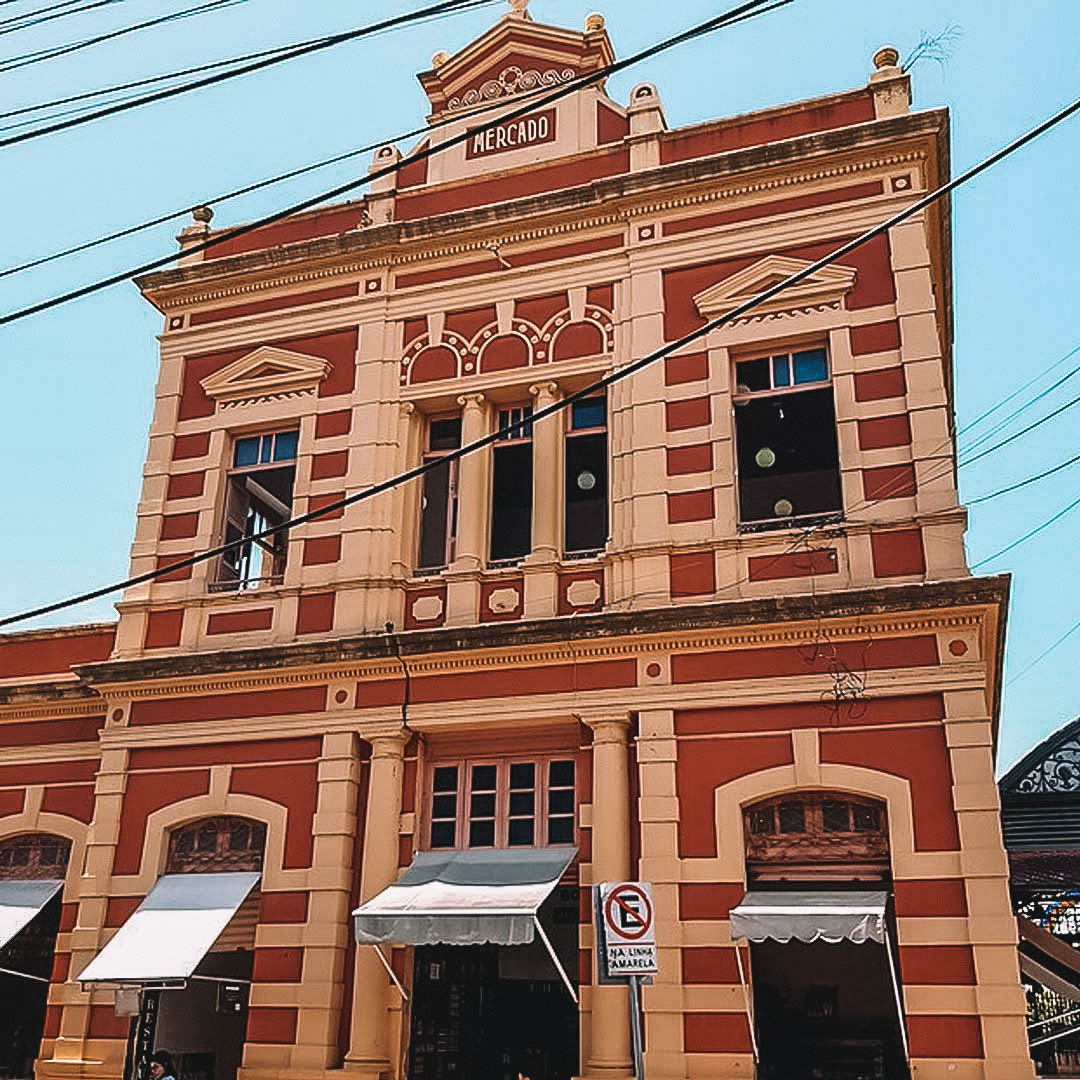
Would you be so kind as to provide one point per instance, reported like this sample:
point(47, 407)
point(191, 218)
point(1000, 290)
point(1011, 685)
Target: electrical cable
point(625, 372)
point(50, 13)
point(1044, 654)
point(303, 49)
point(735, 15)
point(1027, 536)
point(1022, 483)
point(26, 59)
point(1072, 403)
point(269, 182)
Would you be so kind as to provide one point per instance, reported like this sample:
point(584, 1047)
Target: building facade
point(713, 628)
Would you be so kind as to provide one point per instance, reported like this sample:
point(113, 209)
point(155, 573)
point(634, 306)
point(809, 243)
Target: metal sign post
point(627, 947)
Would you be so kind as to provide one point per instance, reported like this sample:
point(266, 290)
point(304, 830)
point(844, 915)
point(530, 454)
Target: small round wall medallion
point(654, 670)
point(958, 647)
point(341, 697)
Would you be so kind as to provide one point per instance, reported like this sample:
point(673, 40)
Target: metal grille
point(217, 845)
point(34, 857)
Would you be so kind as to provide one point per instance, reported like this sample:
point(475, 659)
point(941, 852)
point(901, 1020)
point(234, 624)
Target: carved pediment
point(823, 289)
point(515, 56)
point(267, 374)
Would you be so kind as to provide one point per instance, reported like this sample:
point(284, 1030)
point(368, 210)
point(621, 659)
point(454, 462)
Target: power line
point(738, 14)
point(1071, 403)
point(50, 13)
point(247, 189)
point(26, 59)
point(604, 383)
point(302, 49)
point(1027, 536)
point(1045, 653)
point(1022, 483)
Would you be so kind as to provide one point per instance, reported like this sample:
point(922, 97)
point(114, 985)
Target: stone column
point(541, 574)
point(369, 1041)
point(463, 584)
point(608, 1054)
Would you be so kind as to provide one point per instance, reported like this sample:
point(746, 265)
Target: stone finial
point(519, 9)
point(594, 21)
point(886, 57)
point(203, 215)
point(439, 59)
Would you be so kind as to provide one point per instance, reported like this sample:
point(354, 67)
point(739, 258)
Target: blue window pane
point(266, 448)
point(285, 443)
point(811, 366)
point(246, 452)
point(590, 413)
point(781, 371)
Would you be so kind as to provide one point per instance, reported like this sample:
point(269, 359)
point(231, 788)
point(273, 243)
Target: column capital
point(387, 737)
point(406, 408)
point(608, 726)
point(472, 401)
point(545, 389)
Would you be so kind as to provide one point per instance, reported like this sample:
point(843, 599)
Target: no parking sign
point(629, 928)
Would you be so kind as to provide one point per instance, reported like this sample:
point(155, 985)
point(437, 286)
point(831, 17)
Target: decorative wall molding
point(267, 374)
point(510, 81)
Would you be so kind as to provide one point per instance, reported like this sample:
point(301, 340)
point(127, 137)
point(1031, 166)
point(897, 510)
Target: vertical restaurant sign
point(533, 130)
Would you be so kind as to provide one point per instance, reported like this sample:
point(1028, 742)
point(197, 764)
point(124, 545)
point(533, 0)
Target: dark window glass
point(5, 857)
point(445, 778)
point(520, 832)
point(561, 802)
point(285, 445)
point(239, 836)
point(588, 413)
point(811, 366)
point(445, 434)
point(561, 774)
point(787, 455)
point(444, 806)
point(522, 775)
point(483, 778)
point(21, 856)
point(443, 834)
point(482, 805)
point(186, 844)
point(586, 492)
point(865, 818)
point(561, 830)
point(258, 837)
point(481, 834)
point(752, 376)
point(834, 817)
point(762, 822)
point(436, 516)
point(50, 855)
point(511, 501)
point(781, 371)
point(207, 838)
point(246, 452)
point(522, 803)
point(792, 818)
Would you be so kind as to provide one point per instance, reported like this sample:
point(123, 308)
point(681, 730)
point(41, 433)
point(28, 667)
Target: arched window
point(816, 835)
point(216, 845)
point(34, 857)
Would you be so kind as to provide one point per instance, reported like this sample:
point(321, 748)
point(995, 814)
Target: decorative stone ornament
point(267, 374)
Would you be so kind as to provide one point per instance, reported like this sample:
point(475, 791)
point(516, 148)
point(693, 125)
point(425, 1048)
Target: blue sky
point(76, 383)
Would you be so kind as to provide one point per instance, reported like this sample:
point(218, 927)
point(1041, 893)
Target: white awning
point(810, 916)
point(20, 901)
point(464, 898)
point(170, 932)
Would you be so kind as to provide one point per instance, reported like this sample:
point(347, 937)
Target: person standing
point(161, 1066)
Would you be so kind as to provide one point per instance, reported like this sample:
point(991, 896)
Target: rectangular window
point(511, 486)
point(502, 804)
point(586, 494)
point(259, 493)
point(785, 437)
point(439, 503)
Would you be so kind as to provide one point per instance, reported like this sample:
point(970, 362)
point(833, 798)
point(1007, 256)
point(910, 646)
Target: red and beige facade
point(702, 657)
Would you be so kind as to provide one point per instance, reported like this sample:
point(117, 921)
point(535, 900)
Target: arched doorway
point(818, 916)
point(33, 867)
point(202, 1021)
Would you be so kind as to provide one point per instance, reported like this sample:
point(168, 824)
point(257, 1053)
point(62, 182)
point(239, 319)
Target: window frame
point(452, 498)
point(741, 399)
point(521, 438)
point(571, 433)
point(278, 558)
point(541, 805)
